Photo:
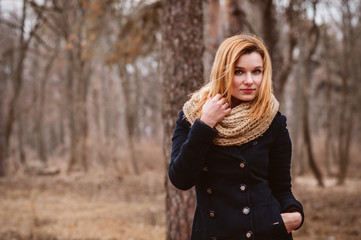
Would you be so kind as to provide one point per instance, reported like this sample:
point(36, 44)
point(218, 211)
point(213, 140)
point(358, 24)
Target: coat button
point(243, 187)
point(212, 214)
point(209, 190)
point(242, 164)
point(254, 143)
point(249, 235)
point(246, 210)
point(214, 238)
point(205, 169)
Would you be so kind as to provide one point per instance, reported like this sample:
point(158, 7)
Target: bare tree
point(350, 75)
point(182, 72)
point(281, 50)
point(270, 33)
point(2, 99)
point(39, 115)
point(70, 18)
point(23, 46)
point(131, 99)
point(2, 104)
point(328, 109)
point(288, 61)
point(313, 36)
point(137, 37)
point(78, 72)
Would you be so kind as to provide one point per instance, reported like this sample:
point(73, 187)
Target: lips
point(247, 90)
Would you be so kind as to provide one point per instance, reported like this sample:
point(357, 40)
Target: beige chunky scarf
point(236, 128)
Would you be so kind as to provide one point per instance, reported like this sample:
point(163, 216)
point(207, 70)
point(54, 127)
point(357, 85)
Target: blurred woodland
point(89, 95)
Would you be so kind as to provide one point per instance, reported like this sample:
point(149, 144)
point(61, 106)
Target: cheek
point(258, 81)
point(235, 82)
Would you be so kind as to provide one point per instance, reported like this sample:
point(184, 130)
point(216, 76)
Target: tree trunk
point(39, 119)
point(305, 121)
point(19, 70)
point(18, 80)
point(22, 154)
point(79, 113)
point(71, 111)
point(182, 73)
point(214, 30)
point(329, 110)
point(297, 136)
point(308, 140)
point(78, 75)
point(236, 17)
point(2, 137)
point(131, 108)
point(271, 38)
point(344, 149)
point(83, 114)
point(313, 37)
point(349, 79)
point(285, 65)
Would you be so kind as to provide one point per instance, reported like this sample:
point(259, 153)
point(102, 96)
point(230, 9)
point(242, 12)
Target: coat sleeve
point(190, 145)
point(279, 169)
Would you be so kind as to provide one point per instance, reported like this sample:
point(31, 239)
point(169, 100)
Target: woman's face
point(248, 74)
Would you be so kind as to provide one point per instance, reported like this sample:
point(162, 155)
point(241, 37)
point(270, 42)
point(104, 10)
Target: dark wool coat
point(241, 190)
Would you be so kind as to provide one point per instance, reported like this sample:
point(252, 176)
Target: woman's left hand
point(292, 220)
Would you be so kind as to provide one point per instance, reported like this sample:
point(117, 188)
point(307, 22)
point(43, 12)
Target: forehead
point(253, 59)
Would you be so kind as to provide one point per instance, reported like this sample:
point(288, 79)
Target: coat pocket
point(269, 224)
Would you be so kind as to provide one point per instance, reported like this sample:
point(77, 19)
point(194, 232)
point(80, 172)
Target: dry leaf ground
point(101, 206)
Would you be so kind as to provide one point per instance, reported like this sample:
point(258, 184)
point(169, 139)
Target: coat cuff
point(297, 209)
point(201, 132)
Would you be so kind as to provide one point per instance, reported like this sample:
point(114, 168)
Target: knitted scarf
point(236, 128)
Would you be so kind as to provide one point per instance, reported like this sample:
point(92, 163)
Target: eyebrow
point(243, 67)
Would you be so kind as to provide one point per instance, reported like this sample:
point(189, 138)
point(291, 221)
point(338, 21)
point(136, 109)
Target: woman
point(232, 144)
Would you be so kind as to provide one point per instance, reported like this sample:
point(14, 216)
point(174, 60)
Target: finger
point(228, 110)
point(223, 101)
point(225, 105)
point(217, 97)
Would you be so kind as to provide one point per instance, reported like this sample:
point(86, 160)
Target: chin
point(246, 99)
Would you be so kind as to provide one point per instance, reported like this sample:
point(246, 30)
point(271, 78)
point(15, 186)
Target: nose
point(248, 79)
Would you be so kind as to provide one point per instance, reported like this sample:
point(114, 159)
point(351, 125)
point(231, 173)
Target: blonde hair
point(223, 71)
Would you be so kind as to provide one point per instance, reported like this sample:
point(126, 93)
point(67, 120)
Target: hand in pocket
point(292, 220)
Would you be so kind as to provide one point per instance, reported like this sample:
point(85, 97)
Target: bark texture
point(2, 139)
point(182, 73)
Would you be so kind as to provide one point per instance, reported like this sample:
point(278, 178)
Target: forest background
point(89, 94)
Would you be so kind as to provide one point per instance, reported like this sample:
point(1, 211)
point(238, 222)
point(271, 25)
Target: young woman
point(232, 144)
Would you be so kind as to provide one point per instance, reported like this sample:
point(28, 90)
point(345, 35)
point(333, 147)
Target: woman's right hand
point(214, 110)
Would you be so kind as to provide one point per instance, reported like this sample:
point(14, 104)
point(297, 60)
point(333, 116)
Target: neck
point(235, 102)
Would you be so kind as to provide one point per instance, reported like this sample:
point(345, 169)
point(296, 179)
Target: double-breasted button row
point(214, 238)
point(249, 235)
point(205, 169)
point(242, 164)
point(212, 214)
point(243, 187)
point(246, 210)
point(209, 191)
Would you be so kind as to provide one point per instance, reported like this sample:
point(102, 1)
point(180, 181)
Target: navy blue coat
point(241, 190)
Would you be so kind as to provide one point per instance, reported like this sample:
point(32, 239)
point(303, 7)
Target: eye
point(238, 72)
point(257, 71)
